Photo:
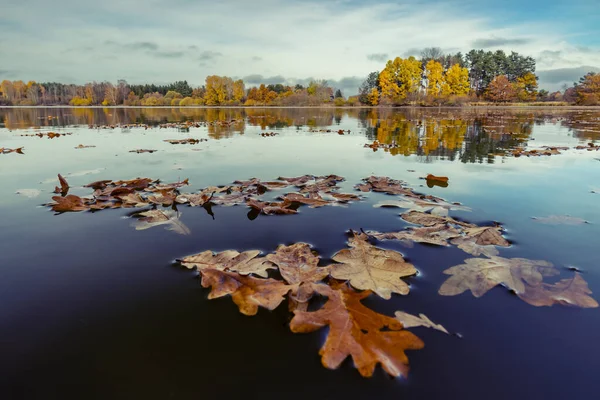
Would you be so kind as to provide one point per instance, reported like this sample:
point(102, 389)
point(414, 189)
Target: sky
point(283, 41)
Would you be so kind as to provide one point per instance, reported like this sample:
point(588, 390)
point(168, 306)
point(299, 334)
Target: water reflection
point(468, 135)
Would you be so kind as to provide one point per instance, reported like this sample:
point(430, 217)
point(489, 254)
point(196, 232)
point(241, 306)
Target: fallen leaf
point(370, 268)
point(84, 147)
point(479, 275)
point(4, 150)
point(411, 321)
point(194, 200)
point(357, 331)
point(481, 240)
point(436, 235)
point(560, 219)
point(299, 266)
point(182, 141)
point(153, 218)
point(421, 218)
point(243, 263)
point(572, 292)
point(164, 198)
point(271, 208)
point(139, 151)
point(299, 198)
point(64, 185)
point(247, 292)
point(98, 185)
point(69, 203)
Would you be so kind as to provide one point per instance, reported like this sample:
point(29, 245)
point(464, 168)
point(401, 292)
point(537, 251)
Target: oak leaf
point(247, 292)
point(64, 185)
point(481, 240)
point(572, 292)
point(411, 321)
point(243, 263)
point(436, 235)
point(367, 267)
point(153, 218)
point(358, 332)
point(69, 203)
point(421, 218)
point(479, 275)
point(271, 208)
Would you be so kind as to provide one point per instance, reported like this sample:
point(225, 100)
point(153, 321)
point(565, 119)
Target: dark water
point(92, 309)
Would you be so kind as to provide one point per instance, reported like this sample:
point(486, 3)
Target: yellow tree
point(588, 89)
point(399, 78)
point(219, 89)
point(239, 90)
point(526, 87)
point(373, 97)
point(457, 81)
point(434, 72)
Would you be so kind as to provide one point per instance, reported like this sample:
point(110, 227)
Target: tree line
point(433, 78)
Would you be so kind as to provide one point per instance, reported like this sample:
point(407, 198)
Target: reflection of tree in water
point(470, 139)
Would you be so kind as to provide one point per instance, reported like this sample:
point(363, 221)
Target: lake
point(94, 309)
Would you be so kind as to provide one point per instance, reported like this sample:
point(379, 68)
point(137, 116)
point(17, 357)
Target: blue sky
point(283, 41)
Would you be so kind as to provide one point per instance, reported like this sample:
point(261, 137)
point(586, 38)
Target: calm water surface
point(93, 309)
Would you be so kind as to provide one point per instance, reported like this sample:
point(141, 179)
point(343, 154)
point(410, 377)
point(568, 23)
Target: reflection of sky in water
point(58, 270)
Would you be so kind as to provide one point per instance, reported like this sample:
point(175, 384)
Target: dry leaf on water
point(411, 321)
point(357, 331)
point(560, 219)
point(421, 218)
point(182, 141)
point(243, 263)
point(481, 240)
point(4, 150)
point(69, 203)
point(436, 235)
point(139, 151)
point(436, 208)
point(64, 186)
point(299, 266)
point(247, 292)
point(84, 147)
point(194, 200)
point(271, 208)
point(367, 267)
point(153, 218)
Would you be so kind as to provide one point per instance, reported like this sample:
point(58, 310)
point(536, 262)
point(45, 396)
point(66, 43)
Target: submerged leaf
point(370, 268)
point(421, 218)
point(169, 218)
point(247, 292)
point(572, 292)
point(479, 275)
point(560, 219)
point(358, 332)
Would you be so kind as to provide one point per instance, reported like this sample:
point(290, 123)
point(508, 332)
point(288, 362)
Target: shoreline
point(490, 106)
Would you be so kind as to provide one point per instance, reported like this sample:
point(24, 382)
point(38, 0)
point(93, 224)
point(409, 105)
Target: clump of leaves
point(184, 141)
point(446, 231)
point(368, 337)
point(49, 135)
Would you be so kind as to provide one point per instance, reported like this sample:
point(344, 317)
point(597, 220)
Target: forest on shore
point(432, 79)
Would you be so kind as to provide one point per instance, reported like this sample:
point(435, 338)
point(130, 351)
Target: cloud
point(256, 58)
point(209, 56)
point(168, 54)
point(8, 74)
point(499, 42)
point(379, 57)
point(564, 75)
point(135, 46)
point(257, 79)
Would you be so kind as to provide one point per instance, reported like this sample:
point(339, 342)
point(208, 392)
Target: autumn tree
point(373, 97)
point(588, 89)
point(526, 87)
point(500, 89)
point(399, 78)
point(239, 90)
point(434, 75)
point(219, 90)
point(457, 81)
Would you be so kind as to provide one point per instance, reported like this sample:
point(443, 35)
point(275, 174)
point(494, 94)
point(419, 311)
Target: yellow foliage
point(219, 89)
point(457, 81)
point(526, 87)
point(435, 78)
point(399, 78)
point(80, 101)
point(373, 97)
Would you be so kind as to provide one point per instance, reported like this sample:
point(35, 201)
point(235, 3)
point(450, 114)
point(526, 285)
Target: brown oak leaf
point(572, 292)
point(243, 263)
point(367, 267)
point(358, 332)
point(247, 292)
